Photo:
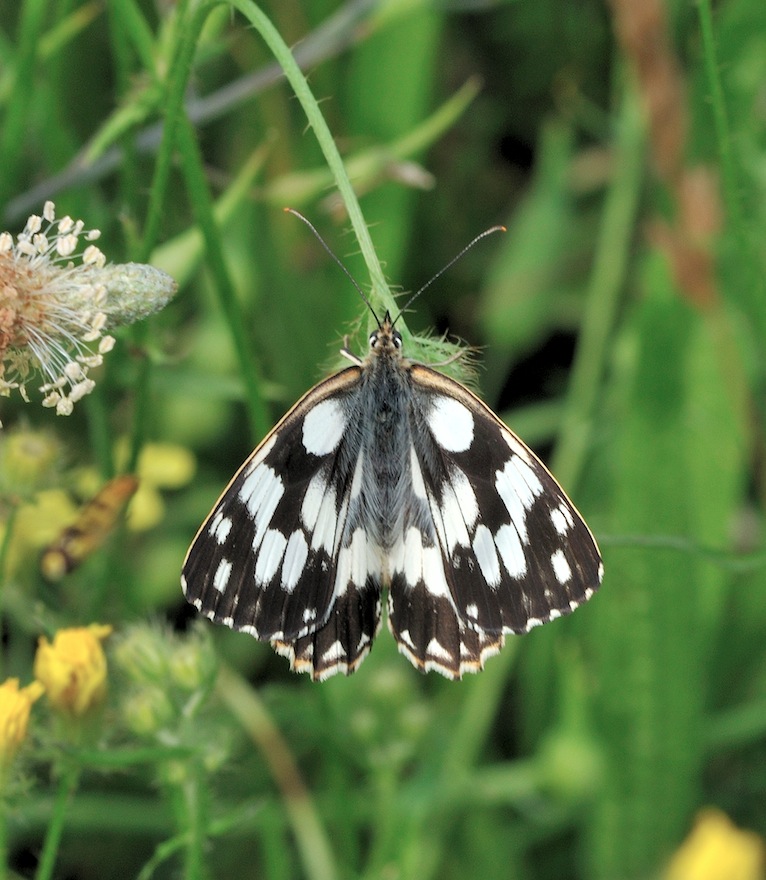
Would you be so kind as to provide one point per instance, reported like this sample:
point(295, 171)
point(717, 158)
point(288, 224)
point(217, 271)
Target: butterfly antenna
point(449, 266)
point(330, 252)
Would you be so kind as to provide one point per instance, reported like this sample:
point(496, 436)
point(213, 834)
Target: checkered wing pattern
point(390, 475)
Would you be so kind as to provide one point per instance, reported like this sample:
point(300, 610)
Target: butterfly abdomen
point(386, 441)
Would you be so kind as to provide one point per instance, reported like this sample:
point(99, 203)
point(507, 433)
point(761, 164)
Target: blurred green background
point(621, 324)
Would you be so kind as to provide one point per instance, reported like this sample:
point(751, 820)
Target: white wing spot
point(270, 556)
point(455, 531)
point(466, 497)
point(417, 563)
point(326, 522)
point(261, 452)
point(528, 475)
point(312, 500)
point(309, 614)
point(221, 576)
point(518, 485)
point(433, 573)
point(356, 483)
point(511, 551)
point(261, 492)
point(413, 556)
point(451, 423)
point(561, 567)
point(333, 653)
point(561, 518)
point(436, 650)
point(361, 562)
point(418, 485)
point(472, 611)
point(518, 446)
point(296, 554)
point(459, 509)
point(355, 562)
point(220, 526)
point(323, 427)
point(486, 555)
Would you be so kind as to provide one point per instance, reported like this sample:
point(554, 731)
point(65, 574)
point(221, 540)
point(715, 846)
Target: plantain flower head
point(54, 312)
point(72, 668)
point(15, 705)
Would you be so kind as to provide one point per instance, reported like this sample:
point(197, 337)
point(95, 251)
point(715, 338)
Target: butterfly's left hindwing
point(270, 560)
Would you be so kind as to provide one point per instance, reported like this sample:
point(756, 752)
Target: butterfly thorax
point(383, 398)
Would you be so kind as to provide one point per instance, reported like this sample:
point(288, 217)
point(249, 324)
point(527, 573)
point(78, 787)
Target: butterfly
point(389, 475)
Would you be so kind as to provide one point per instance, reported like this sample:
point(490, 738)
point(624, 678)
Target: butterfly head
point(386, 340)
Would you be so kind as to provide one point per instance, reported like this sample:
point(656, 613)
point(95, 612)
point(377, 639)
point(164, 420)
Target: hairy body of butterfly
point(390, 475)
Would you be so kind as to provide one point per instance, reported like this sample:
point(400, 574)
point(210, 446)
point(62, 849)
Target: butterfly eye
point(373, 339)
point(397, 337)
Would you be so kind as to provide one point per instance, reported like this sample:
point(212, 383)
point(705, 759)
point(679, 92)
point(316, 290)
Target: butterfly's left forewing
point(274, 558)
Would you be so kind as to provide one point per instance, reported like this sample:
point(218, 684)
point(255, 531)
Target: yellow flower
point(160, 466)
point(717, 850)
point(73, 668)
point(14, 716)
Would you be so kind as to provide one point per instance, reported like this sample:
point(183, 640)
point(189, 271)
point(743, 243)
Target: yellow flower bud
point(14, 716)
point(73, 668)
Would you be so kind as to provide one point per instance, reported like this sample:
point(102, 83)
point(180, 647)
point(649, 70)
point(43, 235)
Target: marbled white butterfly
point(390, 475)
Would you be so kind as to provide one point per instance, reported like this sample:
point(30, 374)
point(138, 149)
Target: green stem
point(66, 788)
point(178, 76)
point(297, 80)
point(199, 194)
point(14, 129)
point(193, 798)
point(184, 799)
point(607, 278)
point(310, 836)
point(720, 116)
point(6, 544)
point(423, 849)
point(751, 287)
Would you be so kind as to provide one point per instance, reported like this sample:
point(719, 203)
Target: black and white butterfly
point(390, 475)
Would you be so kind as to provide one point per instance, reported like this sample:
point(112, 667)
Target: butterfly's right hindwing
point(266, 559)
